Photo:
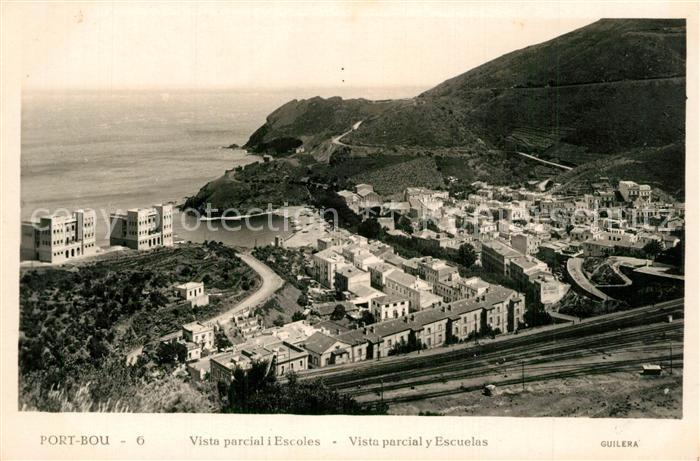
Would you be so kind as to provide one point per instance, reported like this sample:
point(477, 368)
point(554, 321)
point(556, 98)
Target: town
point(491, 263)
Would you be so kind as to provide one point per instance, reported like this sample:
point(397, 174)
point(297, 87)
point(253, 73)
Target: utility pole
point(382, 391)
point(522, 374)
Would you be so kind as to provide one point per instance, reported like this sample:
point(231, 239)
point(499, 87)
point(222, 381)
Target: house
point(326, 350)
point(194, 293)
point(431, 327)
point(362, 296)
point(351, 199)
point(368, 198)
point(200, 334)
point(388, 334)
point(435, 270)
point(388, 307)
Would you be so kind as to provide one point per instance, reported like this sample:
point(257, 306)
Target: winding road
point(271, 282)
point(337, 140)
point(574, 267)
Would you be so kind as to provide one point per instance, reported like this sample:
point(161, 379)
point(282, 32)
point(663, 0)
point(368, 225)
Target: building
point(522, 268)
point(351, 199)
point(58, 238)
point(547, 289)
point(200, 334)
point(325, 350)
point(360, 256)
point(435, 270)
point(632, 192)
point(347, 278)
point(378, 273)
point(282, 356)
point(142, 228)
point(496, 257)
point(325, 263)
point(459, 288)
point(389, 307)
point(526, 244)
point(368, 198)
point(430, 327)
point(416, 291)
point(194, 293)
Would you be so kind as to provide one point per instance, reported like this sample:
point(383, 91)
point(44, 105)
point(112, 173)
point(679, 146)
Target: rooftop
point(319, 343)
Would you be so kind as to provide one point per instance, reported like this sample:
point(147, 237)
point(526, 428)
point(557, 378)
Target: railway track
point(557, 373)
point(355, 374)
point(533, 360)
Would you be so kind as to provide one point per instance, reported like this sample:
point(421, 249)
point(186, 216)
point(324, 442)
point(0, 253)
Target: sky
point(272, 45)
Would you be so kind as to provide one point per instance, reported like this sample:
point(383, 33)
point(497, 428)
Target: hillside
point(607, 87)
point(308, 122)
point(611, 94)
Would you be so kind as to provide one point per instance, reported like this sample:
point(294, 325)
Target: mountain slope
point(611, 95)
point(607, 87)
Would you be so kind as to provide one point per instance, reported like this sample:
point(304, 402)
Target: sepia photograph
point(291, 209)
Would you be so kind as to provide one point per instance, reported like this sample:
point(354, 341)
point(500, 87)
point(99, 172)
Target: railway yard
point(599, 359)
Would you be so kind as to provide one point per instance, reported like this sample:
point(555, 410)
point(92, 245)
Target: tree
point(367, 318)
point(298, 315)
point(279, 321)
point(338, 313)
point(171, 353)
point(467, 255)
point(652, 249)
point(303, 299)
point(370, 228)
point(221, 341)
point(258, 391)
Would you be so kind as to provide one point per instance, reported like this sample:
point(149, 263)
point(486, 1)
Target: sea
point(113, 150)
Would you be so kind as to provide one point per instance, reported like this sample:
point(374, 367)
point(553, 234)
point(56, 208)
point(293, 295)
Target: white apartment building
point(389, 307)
point(325, 265)
point(58, 238)
point(631, 191)
point(142, 228)
point(416, 291)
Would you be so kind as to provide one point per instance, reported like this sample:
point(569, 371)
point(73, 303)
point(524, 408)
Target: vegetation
point(467, 255)
point(76, 323)
point(258, 391)
point(404, 347)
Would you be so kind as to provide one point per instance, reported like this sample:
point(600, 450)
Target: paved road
point(563, 167)
point(271, 282)
point(574, 267)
